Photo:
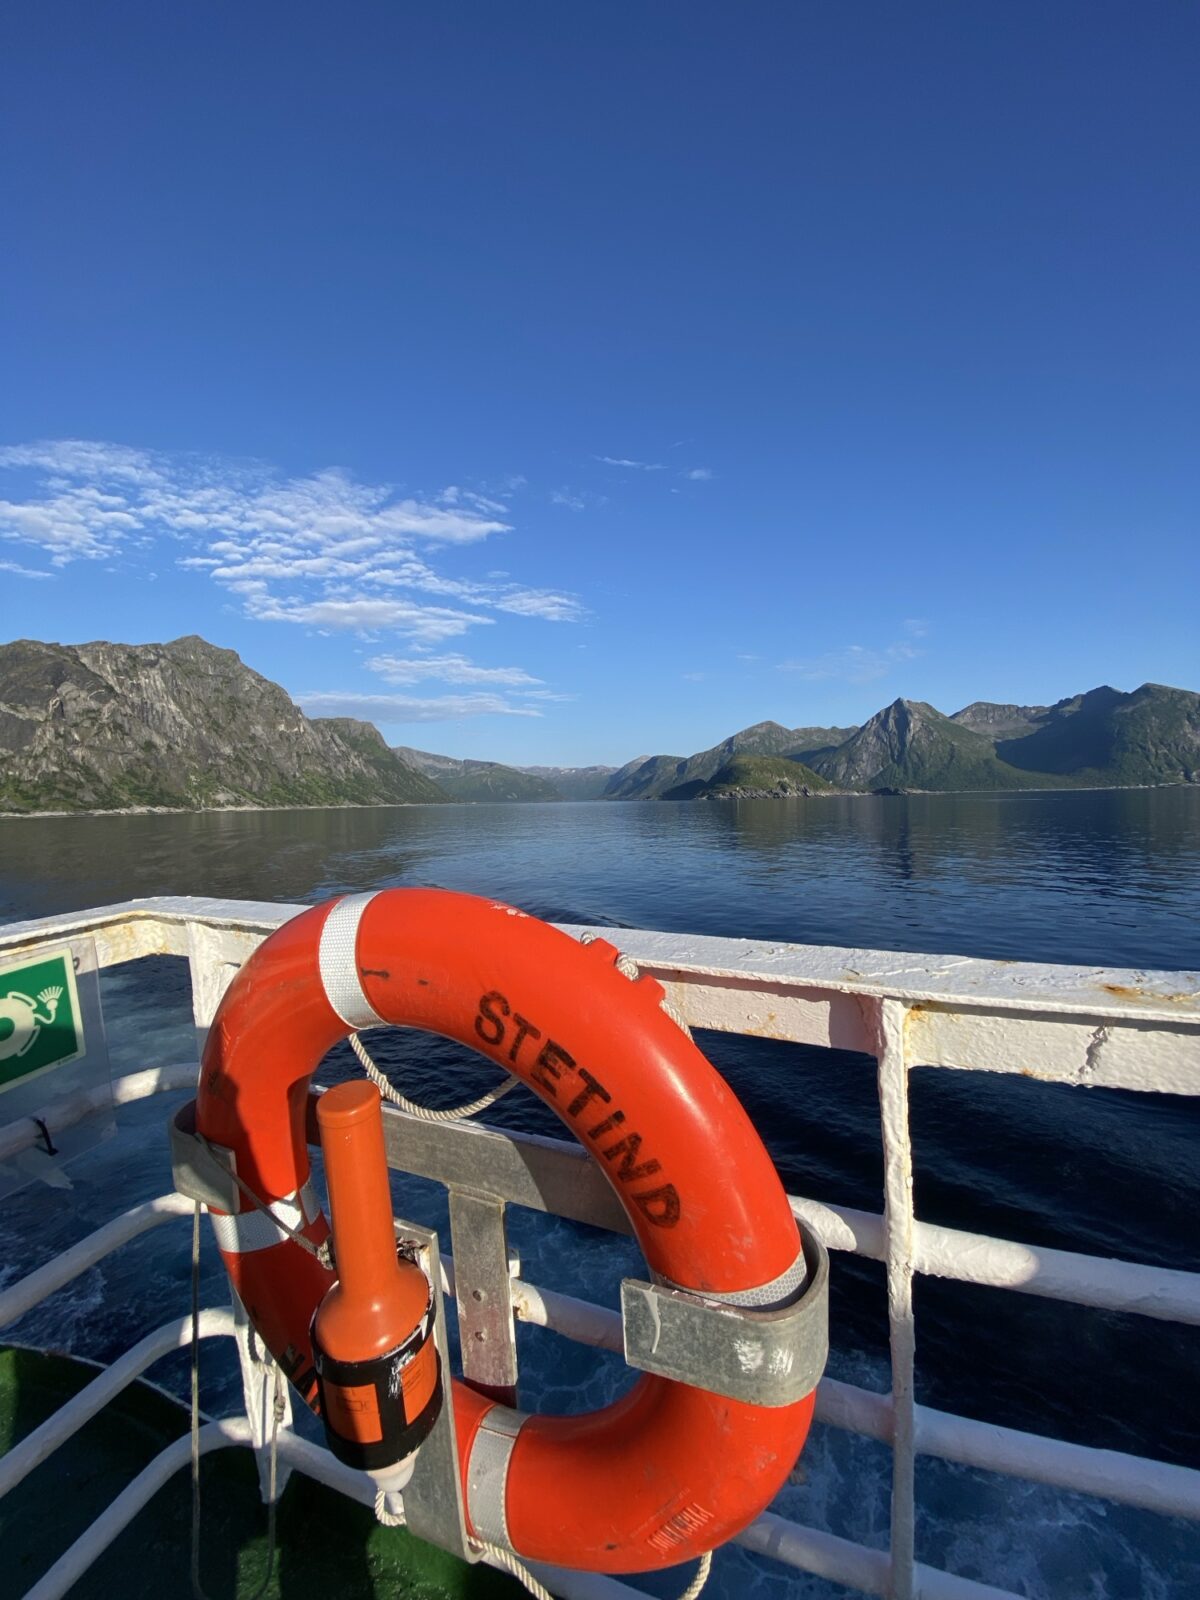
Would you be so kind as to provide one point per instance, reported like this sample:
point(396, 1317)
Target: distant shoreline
point(923, 794)
point(202, 811)
point(407, 805)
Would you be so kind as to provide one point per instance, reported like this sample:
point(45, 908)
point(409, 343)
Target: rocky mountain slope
point(573, 783)
point(1106, 737)
point(909, 745)
point(110, 726)
point(762, 777)
point(365, 739)
point(1000, 721)
point(1102, 738)
point(683, 777)
point(477, 780)
point(644, 778)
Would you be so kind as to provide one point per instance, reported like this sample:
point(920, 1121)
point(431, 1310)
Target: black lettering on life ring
point(591, 1090)
point(552, 1058)
point(488, 1025)
point(631, 1169)
point(607, 1126)
point(659, 1206)
point(525, 1030)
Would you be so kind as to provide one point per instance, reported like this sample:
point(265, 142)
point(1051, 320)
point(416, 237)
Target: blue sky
point(562, 382)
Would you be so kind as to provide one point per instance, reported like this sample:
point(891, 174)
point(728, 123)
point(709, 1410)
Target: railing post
point(483, 1289)
point(214, 956)
point(890, 1051)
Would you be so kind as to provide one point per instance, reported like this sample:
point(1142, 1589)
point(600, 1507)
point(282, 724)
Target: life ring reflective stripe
point(665, 1472)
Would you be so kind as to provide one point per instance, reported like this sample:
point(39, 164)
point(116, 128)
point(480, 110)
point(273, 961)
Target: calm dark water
point(1105, 878)
point(1111, 877)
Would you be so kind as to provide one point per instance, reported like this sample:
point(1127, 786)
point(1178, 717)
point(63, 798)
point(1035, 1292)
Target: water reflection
point(1084, 877)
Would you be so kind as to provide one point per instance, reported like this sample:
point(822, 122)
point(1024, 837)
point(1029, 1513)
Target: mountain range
point(188, 725)
point(1100, 739)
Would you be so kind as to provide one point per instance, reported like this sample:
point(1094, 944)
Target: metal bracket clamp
point(433, 1500)
point(767, 1358)
point(196, 1171)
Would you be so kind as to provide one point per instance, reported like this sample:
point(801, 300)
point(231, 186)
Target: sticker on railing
point(55, 1089)
point(40, 1023)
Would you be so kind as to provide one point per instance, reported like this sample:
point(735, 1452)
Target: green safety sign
point(40, 1021)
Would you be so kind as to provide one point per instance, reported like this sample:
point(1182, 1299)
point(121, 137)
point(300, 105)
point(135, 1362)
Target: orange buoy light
point(372, 1334)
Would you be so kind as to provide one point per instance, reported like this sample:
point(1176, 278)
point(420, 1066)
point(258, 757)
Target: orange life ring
point(667, 1471)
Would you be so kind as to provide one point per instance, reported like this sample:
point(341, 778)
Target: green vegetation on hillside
point(1105, 737)
point(774, 775)
point(683, 777)
point(573, 783)
point(185, 725)
point(468, 780)
point(399, 779)
point(491, 780)
point(910, 745)
point(188, 725)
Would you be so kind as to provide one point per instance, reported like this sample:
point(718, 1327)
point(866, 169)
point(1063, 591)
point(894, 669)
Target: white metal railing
point(294, 1450)
point(1078, 1026)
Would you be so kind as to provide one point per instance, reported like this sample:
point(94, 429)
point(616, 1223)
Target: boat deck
point(325, 1543)
point(1082, 1028)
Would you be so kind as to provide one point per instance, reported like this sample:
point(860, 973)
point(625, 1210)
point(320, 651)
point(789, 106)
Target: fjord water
point(1105, 878)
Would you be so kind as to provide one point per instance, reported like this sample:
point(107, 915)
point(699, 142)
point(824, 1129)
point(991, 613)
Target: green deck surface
point(328, 1547)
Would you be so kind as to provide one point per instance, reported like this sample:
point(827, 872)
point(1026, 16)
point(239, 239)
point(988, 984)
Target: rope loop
point(628, 968)
point(425, 1113)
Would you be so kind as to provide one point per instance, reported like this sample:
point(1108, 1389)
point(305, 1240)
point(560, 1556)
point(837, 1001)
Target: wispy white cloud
point(84, 458)
point(18, 571)
point(453, 496)
point(855, 663)
point(405, 708)
point(72, 525)
point(448, 669)
point(324, 550)
point(428, 625)
point(640, 466)
point(699, 474)
point(543, 603)
point(564, 497)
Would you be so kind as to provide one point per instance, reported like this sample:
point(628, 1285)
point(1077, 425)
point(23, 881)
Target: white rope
point(501, 1557)
point(496, 1553)
point(277, 1413)
point(389, 1519)
point(628, 968)
point(701, 1578)
point(510, 1563)
point(454, 1114)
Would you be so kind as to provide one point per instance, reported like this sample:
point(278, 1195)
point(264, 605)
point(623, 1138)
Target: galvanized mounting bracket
point(767, 1358)
point(433, 1500)
point(196, 1171)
